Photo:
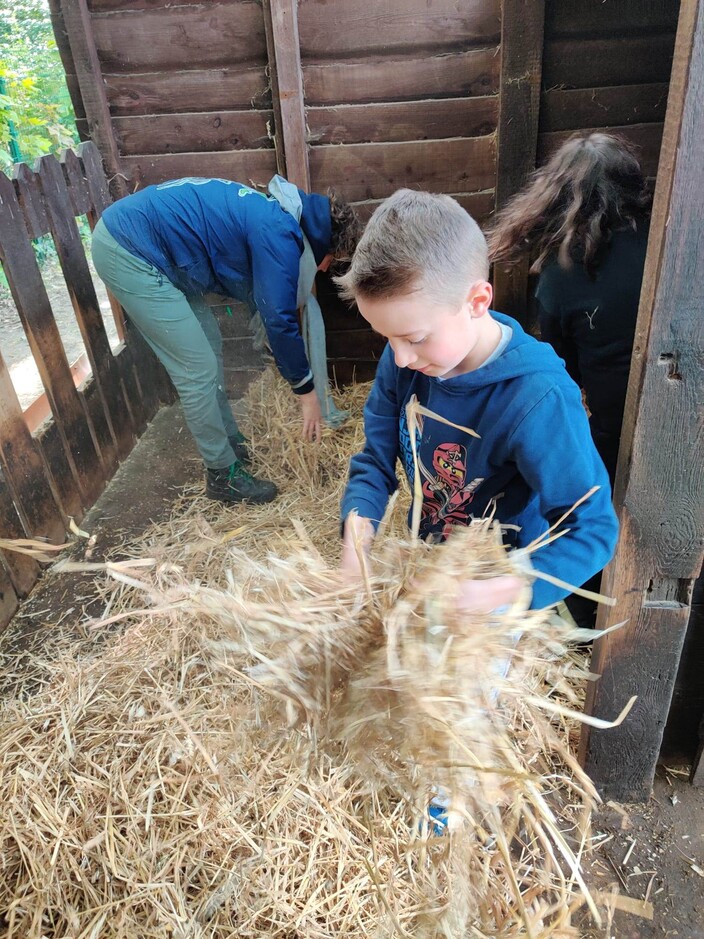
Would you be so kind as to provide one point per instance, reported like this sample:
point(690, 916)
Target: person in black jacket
point(583, 222)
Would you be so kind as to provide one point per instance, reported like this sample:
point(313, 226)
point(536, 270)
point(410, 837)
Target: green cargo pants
point(185, 336)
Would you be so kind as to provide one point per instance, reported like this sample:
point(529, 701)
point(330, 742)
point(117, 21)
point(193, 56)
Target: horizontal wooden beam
point(405, 120)
point(374, 170)
point(338, 30)
point(403, 77)
point(244, 166)
point(191, 133)
point(619, 60)
point(574, 108)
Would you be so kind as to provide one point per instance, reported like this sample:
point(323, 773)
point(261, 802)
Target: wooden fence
point(59, 471)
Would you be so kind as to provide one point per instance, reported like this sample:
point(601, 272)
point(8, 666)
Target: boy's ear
point(480, 297)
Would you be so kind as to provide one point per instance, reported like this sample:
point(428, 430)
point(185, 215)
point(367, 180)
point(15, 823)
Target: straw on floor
point(253, 754)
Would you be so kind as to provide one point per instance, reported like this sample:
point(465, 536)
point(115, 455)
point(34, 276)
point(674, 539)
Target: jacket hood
point(316, 224)
point(522, 356)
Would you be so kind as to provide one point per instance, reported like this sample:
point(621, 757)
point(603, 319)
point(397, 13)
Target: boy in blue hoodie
point(162, 249)
point(419, 276)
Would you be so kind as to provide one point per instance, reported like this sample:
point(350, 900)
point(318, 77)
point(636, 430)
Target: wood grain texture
point(23, 469)
point(22, 570)
point(190, 133)
point(34, 308)
point(660, 480)
point(567, 18)
point(407, 120)
point(244, 166)
point(574, 108)
point(206, 35)
point(333, 30)
point(195, 89)
point(519, 109)
point(284, 52)
point(480, 205)
point(112, 427)
point(400, 78)
point(589, 63)
point(81, 38)
point(373, 171)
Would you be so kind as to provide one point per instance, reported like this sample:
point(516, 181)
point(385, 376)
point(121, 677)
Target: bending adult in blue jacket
point(161, 250)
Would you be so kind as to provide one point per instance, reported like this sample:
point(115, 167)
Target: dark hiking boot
point(239, 444)
point(235, 484)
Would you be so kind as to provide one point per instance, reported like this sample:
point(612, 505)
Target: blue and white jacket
point(219, 236)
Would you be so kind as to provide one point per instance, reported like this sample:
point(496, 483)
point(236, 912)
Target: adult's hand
point(312, 416)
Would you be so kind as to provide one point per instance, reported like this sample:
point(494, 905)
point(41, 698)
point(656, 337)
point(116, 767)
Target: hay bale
point(254, 754)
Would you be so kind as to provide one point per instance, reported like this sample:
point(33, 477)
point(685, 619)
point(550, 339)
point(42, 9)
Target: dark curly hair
point(593, 185)
point(346, 231)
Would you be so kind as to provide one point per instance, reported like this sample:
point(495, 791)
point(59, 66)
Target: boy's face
point(440, 340)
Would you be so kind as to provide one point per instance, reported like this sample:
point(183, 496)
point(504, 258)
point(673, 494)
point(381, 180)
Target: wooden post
point(76, 19)
point(284, 51)
point(522, 26)
point(660, 481)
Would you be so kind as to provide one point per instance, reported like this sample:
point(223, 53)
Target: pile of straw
point(254, 754)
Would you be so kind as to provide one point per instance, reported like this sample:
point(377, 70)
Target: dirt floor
point(652, 851)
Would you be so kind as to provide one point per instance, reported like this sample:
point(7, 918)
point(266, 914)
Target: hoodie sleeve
point(372, 478)
point(554, 452)
point(276, 254)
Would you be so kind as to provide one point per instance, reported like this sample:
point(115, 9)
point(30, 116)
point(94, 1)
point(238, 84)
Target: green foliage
point(36, 115)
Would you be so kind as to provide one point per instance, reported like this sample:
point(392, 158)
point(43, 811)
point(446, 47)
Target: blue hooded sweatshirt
point(533, 460)
point(219, 236)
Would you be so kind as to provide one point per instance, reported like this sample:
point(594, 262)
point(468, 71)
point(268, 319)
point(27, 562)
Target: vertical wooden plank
point(146, 380)
point(76, 182)
point(277, 120)
point(34, 310)
point(660, 479)
point(22, 570)
point(29, 196)
point(522, 27)
point(283, 46)
point(113, 429)
point(23, 468)
point(8, 598)
point(76, 20)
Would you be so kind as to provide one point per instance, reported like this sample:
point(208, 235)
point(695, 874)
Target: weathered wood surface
point(22, 570)
point(647, 139)
point(480, 205)
point(589, 63)
point(284, 54)
point(244, 166)
point(519, 108)
point(660, 479)
point(189, 133)
point(169, 37)
point(195, 89)
point(112, 427)
point(407, 120)
point(34, 308)
point(76, 183)
point(623, 17)
point(399, 78)
point(30, 199)
point(78, 25)
point(373, 171)
point(573, 108)
point(8, 598)
point(338, 30)
point(24, 470)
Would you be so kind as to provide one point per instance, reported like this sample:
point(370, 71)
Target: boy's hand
point(483, 596)
point(356, 542)
point(312, 416)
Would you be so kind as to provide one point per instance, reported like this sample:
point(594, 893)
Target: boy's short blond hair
point(417, 242)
